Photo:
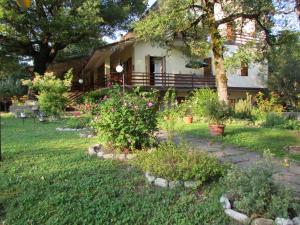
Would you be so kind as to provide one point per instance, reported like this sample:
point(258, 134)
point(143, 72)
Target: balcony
point(163, 80)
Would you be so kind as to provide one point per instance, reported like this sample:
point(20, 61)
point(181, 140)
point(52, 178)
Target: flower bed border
point(244, 219)
point(161, 182)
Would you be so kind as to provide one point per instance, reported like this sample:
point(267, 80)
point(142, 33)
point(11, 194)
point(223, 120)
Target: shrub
point(95, 96)
point(52, 99)
point(170, 107)
point(273, 120)
point(127, 120)
point(216, 112)
point(78, 122)
point(243, 108)
point(256, 194)
point(278, 121)
point(177, 163)
point(266, 105)
point(199, 99)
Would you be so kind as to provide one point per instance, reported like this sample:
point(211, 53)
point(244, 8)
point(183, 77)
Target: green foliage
point(257, 194)
point(127, 120)
point(78, 122)
point(174, 162)
point(278, 121)
point(46, 28)
point(243, 108)
point(216, 112)
point(199, 98)
point(51, 98)
point(47, 178)
point(11, 86)
point(266, 105)
point(169, 104)
point(284, 69)
point(95, 96)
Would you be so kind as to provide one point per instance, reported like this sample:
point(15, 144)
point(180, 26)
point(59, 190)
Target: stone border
point(69, 129)
point(161, 182)
point(244, 219)
point(97, 150)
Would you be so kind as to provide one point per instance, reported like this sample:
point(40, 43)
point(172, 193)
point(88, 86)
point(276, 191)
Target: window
point(244, 69)
point(230, 31)
point(207, 69)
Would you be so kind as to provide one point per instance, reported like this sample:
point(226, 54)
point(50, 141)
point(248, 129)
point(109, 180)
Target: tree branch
point(232, 17)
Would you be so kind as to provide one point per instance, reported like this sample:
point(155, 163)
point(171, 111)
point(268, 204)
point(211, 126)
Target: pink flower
point(149, 104)
point(105, 97)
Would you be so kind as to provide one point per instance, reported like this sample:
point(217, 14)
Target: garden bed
point(98, 150)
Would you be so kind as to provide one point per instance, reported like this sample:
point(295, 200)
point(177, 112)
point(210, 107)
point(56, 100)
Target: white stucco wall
point(257, 74)
point(175, 60)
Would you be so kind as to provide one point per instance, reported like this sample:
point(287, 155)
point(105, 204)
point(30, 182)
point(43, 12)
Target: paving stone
point(282, 221)
point(262, 221)
point(173, 184)
point(149, 177)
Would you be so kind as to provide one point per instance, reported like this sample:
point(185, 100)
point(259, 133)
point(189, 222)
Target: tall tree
point(49, 26)
point(284, 68)
point(199, 26)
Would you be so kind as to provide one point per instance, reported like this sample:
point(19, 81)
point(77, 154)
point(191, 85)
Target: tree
point(49, 26)
point(196, 23)
point(284, 68)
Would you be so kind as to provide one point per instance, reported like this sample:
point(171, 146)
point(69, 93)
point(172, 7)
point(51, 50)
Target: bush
point(199, 99)
point(256, 194)
point(176, 163)
point(266, 105)
point(78, 122)
point(127, 121)
point(243, 108)
point(95, 96)
point(278, 121)
point(52, 99)
point(216, 112)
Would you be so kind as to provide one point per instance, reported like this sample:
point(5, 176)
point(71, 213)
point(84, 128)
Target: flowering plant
point(127, 120)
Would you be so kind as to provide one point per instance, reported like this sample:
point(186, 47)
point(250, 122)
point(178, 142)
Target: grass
point(253, 138)
point(47, 178)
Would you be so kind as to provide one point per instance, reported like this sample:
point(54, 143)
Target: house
point(150, 66)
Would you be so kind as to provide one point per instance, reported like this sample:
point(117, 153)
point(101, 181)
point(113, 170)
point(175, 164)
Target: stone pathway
point(289, 176)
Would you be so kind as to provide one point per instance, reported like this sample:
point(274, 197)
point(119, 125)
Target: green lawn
point(238, 134)
point(46, 178)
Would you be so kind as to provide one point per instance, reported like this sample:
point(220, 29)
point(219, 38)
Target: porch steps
point(73, 96)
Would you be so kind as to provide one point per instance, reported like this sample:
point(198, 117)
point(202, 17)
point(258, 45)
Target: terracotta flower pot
point(188, 119)
point(216, 129)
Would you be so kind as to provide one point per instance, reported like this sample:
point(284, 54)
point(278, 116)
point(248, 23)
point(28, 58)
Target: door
point(128, 78)
point(156, 71)
point(207, 69)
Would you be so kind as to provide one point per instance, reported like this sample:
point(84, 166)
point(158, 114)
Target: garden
point(50, 174)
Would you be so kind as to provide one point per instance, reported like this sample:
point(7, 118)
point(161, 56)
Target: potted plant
point(216, 112)
point(188, 118)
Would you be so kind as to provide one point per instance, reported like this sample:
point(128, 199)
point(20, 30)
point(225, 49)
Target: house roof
point(100, 53)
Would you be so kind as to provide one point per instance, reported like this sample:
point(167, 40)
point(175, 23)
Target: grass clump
point(177, 163)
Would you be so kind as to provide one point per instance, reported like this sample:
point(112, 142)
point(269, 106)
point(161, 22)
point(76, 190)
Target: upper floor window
point(207, 69)
point(244, 69)
point(230, 31)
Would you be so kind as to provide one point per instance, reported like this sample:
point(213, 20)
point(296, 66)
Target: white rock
point(173, 184)
point(262, 221)
point(242, 218)
point(161, 182)
point(225, 202)
point(190, 184)
point(130, 156)
point(91, 151)
point(296, 220)
point(100, 154)
point(108, 156)
point(282, 221)
point(149, 178)
point(120, 156)
point(59, 129)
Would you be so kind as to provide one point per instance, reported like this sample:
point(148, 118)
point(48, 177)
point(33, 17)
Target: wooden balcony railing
point(163, 80)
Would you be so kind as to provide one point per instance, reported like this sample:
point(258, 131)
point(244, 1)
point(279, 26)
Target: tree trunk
point(43, 57)
point(221, 78)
